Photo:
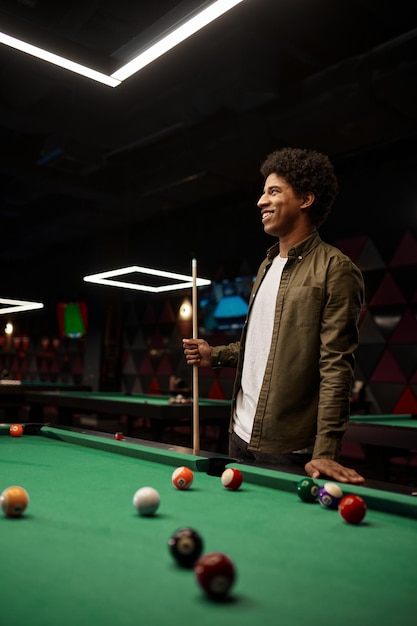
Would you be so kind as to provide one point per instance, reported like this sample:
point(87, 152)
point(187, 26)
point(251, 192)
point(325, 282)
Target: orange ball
point(182, 478)
point(14, 501)
point(16, 430)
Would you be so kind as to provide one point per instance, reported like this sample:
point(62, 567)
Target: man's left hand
point(317, 468)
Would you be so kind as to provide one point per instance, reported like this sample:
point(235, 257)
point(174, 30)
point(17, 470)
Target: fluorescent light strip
point(57, 60)
point(174, 38)
point(103, 279)
point(191, 26)
point(21, 305)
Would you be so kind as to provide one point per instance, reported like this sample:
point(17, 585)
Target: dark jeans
point(292, 462)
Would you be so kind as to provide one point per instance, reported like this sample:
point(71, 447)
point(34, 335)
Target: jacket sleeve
point(344, 297)
point(225, 356)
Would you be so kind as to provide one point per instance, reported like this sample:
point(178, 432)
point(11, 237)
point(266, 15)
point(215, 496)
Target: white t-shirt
point(258, 343)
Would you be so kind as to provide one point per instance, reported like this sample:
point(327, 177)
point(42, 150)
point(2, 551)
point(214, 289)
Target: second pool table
point(382, 437)
point(157, 409)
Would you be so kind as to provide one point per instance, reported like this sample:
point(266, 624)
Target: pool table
point(382, 437)
point(156, 408)
point(13, 393)
point(392, 430)
point(82, 555)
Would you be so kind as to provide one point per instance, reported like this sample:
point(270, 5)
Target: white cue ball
point(146, 500)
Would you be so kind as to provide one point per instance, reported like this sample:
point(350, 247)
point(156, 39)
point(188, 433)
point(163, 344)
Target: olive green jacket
point(304, 399)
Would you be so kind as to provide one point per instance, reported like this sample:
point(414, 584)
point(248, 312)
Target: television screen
point(224, 304)
point(72, 319)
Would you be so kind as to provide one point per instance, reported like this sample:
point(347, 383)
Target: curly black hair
point(305, 170)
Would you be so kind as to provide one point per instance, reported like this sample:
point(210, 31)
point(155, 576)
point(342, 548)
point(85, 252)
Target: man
point(294, 362)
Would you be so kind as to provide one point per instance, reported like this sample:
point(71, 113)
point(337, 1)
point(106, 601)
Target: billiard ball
point(118, 436)
point(330, 495)
point(178, 399)
point(146, 500)
point(352, 509)
point(186, 545)
point(182, 478)
point(14, 501)
point(308, 489)
point(215, 573)
point(16, 430)
point(232, 478)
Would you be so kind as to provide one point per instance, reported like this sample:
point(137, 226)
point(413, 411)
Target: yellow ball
point(14, 501)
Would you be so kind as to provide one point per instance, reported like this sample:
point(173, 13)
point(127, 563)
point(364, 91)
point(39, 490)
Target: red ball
point(352, 509)
point(215, 573)
point(118, 436)
point(16, 430)
point(182, 478)
point(232, 478)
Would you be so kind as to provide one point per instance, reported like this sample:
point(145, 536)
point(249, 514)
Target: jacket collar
point(299, 250)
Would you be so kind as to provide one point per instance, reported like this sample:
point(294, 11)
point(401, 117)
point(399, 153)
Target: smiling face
point(283, 212)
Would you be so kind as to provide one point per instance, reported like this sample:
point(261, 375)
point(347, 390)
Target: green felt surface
point(36, 383)
point(392, 419)
point(155, 400)
point(41, 383)
point(82, 555)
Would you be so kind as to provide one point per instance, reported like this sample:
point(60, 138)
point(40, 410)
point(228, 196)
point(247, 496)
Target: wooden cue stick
point(196, 419)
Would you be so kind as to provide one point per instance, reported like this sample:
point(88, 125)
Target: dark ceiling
point(102, 174)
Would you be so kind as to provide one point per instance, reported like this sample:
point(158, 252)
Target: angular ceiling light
point(178, 34)
point(175, 37)
point(104, 278)
point(18, 305)
point(55, 59)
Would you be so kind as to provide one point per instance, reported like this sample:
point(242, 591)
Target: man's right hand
point(197, 352)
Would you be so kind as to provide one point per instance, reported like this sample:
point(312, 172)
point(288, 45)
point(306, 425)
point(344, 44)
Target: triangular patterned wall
point(386, 359)
point(152, 351)
point(44, 359)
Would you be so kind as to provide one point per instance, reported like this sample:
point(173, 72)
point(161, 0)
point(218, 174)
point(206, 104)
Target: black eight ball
point(186, 545)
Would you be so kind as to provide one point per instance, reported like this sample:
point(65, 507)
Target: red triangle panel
point(387, 293)
point(407, 403)
point(216, 392)
point(406, 331)
point(351, 247)
point(406, 253)
point(388, 370)
point(167, 314)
